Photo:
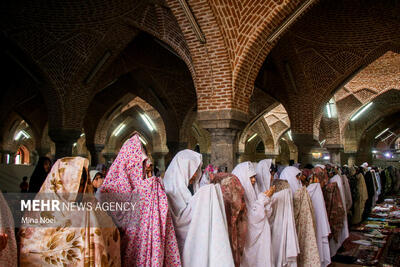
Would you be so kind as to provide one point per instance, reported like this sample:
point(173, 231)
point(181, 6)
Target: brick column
point(64, 140)
point(223, 127)
point(95, 152)
point(305, 144)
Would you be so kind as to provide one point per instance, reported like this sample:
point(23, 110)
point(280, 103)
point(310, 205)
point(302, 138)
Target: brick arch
point(252, 46)
point(15, 124)
point(68, 44)
point(157, 139)
point(325, 48)
point(192, 131)
point(384, 105)
point(270, 126)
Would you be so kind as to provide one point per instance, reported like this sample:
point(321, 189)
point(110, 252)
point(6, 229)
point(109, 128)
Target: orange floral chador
point(65, 243)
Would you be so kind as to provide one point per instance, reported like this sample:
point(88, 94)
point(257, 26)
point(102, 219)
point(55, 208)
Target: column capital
point(222, 119)
point(64, 139)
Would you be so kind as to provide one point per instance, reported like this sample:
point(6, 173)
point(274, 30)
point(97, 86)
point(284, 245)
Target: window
point(330, 109)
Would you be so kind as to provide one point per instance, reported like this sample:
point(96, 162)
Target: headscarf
point(320, 166)
point(176, 179)
point(263, 174)
point(289, 174)
point(236, 212)
point(199, 220)
point(258, 251)
point(280, 170)
point(150, 241)
point(92, 174)
point(38, 175)
point(8, 256)
point(60, 243)
point(244, 171)
point(205, 178)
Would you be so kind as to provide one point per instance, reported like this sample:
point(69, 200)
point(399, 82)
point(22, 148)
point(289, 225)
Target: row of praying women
point(258, 215)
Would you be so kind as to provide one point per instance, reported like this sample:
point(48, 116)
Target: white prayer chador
point(289, 174)
point(257, 250)
point(263, 174)
point(285, 245)
point(322, 223)
point(334, 246)
point(199, 220)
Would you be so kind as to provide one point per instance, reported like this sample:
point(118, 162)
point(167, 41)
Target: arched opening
point(22, 156)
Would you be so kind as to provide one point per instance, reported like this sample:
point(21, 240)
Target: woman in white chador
point(199, 220)
point(257, 250)
point(322, 223)
point(285, 245)
point(263, 174)
point(292, 175)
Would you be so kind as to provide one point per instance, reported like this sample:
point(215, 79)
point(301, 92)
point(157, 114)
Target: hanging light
point(149, 123)
point(142, 140)
point(328, 110)
point(361, 111)
point(252, 137)
point(118, 130)
point(20, 134)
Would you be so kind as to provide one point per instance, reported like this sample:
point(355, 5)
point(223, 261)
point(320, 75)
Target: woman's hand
point(3, 241)
point(270, 191)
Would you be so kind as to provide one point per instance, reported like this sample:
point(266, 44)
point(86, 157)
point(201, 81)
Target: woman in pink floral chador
point(149, 239)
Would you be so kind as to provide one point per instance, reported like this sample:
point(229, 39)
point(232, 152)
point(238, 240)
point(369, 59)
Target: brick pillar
point(64, 140)
point(223, 127)
point(305, 144)
point(95, 152)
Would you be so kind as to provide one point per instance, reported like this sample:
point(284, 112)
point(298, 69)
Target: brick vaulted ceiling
point(61, 42)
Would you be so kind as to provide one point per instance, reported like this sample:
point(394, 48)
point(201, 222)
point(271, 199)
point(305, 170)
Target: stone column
point(271, 156)
point(335, 152)
point(64, 140)
point(206, 158)
point(95, 152)
point(305, 144)
point(109, 158)
point(223, 127)
point(4, 156)
point(159, 160)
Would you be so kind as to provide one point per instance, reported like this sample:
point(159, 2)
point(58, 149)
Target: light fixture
point(22, 133)
point(383, 140)
point(322, 142)
point(252, 137)
point(118, 130)
point(327, 157)
point(149, 123)
point(290, 135)
point(98, 66)
point(384, 131)
point(292, 18)
point(374, 151)
point(328, 110)
point(388, 155)
point(75, 144)
point(8, 158)
point(83, 134)
point(362, 110)
point(142, 140)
